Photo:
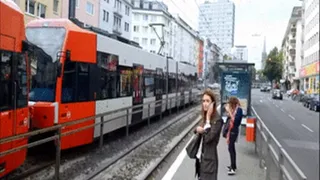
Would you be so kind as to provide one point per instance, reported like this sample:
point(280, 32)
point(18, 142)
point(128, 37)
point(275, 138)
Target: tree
point(226, 57)
point(253, 75)
point(274, 65)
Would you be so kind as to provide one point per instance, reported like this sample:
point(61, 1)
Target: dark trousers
point(232, 150)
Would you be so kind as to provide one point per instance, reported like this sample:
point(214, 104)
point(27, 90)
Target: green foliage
point(274, 65)
point(226, 57)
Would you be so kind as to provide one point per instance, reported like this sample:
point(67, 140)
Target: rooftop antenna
point(162, 42)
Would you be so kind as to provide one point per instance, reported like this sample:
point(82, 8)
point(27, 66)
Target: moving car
point(277, 94)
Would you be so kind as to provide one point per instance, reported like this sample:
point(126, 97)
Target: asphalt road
point(294, 126)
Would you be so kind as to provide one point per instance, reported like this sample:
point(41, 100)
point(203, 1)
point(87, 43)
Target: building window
point(41, 10)
point(136, 39)
point(117, 22)
point(117, 4)
point(136, 28)
point(77, 3)
point(136, 17)
point(126, 26)
point(145, 17)
point(145, 29)
point(105, 16)
point(153, 18)
point(144, 41)
point(153, 42)
point(55, 5)
point(127, 10)
point(89, 8)
point(30, 6)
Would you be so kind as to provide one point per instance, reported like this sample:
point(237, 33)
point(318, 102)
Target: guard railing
point(172, 102)
point(273, 157)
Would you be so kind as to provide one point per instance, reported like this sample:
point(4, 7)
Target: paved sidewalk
point(247, 162)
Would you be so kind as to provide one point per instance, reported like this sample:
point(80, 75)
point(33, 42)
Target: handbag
point(193, 147)
point(226, 128)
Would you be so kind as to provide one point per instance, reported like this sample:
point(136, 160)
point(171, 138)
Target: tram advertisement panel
point(236, 84)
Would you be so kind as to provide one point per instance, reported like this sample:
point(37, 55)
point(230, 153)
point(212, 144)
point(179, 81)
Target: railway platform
point(183, 168)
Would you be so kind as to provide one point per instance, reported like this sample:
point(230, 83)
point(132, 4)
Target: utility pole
point(161, 39)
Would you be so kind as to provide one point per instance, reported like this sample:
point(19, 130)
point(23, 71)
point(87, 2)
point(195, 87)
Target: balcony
point(292, 64)
point(117, 30)
point(293, 41)
point(292, 51)
point(293, 29)
point(117, 11)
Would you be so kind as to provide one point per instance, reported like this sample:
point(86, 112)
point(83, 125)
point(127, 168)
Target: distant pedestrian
point(210, 128)
point(235, 115)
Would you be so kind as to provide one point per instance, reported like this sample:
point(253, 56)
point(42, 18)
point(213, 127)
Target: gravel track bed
point(79, 162)
point(133, 165)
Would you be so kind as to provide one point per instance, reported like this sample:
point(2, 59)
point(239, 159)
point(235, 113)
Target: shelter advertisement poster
point(236, 84)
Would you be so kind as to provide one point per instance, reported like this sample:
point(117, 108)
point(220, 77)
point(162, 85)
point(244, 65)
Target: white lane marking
point(277, 106)
point(282, 110)
point(255, 112)
point(176, 164)
point(307, 127)
point(292, 117)
point(261, 101)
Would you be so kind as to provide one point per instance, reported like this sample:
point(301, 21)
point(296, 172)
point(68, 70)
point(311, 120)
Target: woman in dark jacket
point(210, 128)
point(235, 115)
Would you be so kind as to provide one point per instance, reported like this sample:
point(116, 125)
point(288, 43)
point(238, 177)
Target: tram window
point(172, 85)
point(109, 83)
point(112, 87)
point(102, 90)
point(149, 86)
point(69, 83)
point(83, 81)
point(5, 80)
point(22, 93)
point(125, 83)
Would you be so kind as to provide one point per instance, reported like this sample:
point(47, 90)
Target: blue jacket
point(237, 121)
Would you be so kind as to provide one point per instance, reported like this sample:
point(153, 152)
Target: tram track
point(86, 159)
point(142, 159)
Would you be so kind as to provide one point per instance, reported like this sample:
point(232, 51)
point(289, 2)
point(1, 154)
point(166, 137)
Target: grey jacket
point(209, 155)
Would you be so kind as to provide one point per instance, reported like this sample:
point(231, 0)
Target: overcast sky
point(266, 17)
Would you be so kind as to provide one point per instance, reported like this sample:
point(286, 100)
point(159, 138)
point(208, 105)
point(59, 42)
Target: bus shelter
point(236, 80)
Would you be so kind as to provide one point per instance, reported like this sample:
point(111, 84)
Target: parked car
point(268, 88)
point(307, 100)
point(263, 89)
point(277, 94)
point(314, 103)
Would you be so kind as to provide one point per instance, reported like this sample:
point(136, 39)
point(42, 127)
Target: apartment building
point(309, 71)
point(216, 22)
point(37, 9)
point(116, 17)
point(87, 11)
point(291, 46)
point(151, 25)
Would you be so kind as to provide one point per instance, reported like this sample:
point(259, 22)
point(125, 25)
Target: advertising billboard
point(236, 84)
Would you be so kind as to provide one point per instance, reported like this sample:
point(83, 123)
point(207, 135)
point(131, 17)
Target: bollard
point(101, 132)
point(250, 129)
point(170, 106)
point(148, 114)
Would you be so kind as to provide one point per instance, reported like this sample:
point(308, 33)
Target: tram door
point(159, 90)
point(137, 80)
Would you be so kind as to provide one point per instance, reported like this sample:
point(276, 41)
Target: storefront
point(310, 78)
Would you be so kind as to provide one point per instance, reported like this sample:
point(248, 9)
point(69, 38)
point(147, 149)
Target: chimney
point(72, 9)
